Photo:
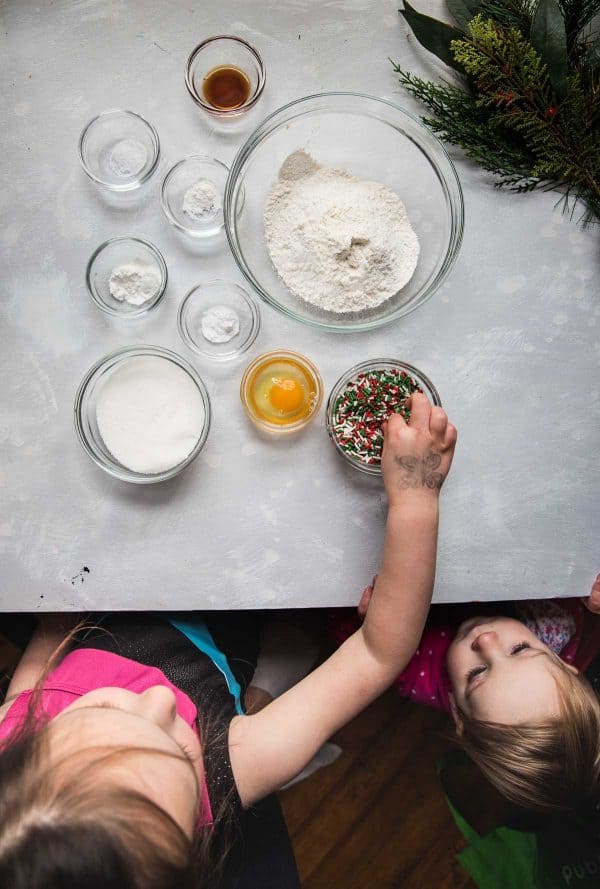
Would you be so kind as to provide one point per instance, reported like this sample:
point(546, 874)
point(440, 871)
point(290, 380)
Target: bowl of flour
point(343, 211)
point(142, 414)
point(126, 276)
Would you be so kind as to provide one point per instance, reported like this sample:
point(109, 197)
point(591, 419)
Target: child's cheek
point(452, 666)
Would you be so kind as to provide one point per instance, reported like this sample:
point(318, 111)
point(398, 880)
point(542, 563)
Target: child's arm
point(270, 747)
point(49, 633)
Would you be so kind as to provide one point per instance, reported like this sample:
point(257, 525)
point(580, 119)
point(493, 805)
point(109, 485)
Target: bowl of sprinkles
point(363, 398)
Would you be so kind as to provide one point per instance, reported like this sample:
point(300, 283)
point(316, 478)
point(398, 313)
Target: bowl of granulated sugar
point(142, 414)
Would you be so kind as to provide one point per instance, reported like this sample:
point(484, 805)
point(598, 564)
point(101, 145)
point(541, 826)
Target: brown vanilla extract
point(226, 87)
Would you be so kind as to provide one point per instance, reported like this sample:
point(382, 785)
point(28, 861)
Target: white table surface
point(511, 341)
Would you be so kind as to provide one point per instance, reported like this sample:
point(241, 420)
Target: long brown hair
point(68, 824)
point(551, 766)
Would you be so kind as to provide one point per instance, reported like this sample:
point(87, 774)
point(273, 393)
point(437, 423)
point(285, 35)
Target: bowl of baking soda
point(218, 320)
point(142, 414)
point(126, 276)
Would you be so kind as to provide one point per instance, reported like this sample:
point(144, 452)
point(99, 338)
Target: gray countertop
point(510, 340)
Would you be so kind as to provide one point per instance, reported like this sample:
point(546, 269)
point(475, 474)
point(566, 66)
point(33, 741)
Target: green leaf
point(433, 35)
point(463, 11)
point(549, 38)
point(592, 56)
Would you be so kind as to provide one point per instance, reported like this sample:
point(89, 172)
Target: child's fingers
point(365, 599)
point(450, 436)
point(393, 425)
point(438, 421)
point(420, 411)
point(593, 601)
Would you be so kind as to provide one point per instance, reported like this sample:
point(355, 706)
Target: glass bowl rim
point(225, 112)
point(305, 362)
point(363, 367)
point(113, 468)
point(245, 296)
point(449, 181)
point(165, 184)
point(149, 304)
point(130, 186)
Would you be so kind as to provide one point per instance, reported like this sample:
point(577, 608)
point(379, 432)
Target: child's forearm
point(402, 594)
point(48, 635)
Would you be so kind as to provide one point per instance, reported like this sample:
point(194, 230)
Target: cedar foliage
point(529, 108)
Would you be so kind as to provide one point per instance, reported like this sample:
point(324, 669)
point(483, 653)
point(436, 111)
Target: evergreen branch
point(507, 118)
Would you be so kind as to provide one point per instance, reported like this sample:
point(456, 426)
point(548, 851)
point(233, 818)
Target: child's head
point(106, 794)
point(529, 720)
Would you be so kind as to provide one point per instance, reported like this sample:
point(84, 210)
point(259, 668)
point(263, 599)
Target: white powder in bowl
point(150, 414)
point(220, 324)
point(134, 282)
point(341, 243)
point(127, 157)
point(201, 201)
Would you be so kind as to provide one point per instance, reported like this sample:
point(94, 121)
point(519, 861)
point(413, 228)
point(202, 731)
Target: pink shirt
point(86, 670)
point(558, 623)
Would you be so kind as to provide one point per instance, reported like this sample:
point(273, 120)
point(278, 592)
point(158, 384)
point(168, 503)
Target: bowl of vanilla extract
point(225, 76)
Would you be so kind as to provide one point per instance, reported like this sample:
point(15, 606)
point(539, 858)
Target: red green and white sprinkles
point(363, 405)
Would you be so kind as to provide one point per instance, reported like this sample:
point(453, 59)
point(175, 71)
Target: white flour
point(134, 282)
point(220, 324)
point(201, 201)
point(338, 242)
point(150, 414)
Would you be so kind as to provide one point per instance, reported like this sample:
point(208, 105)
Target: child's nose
point(159, 705)
point(486, 643)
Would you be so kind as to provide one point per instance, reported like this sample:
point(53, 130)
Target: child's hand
point(365, 599)
point(417, 456)
point(593, 600)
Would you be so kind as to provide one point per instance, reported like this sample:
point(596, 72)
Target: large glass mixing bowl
point(372, 139)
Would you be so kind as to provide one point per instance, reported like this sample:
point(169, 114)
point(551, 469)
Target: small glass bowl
point(116, 252)
point(181, 177)
point(224, 49)
point(309, 369)
point(119, 150)
point(86, 402)
point(365, 367)
point(206, 296)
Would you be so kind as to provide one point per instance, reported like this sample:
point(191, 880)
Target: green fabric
point(504, 858)
point(563, 856)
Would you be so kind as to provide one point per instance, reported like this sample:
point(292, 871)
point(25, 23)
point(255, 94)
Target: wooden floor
point(377, 818)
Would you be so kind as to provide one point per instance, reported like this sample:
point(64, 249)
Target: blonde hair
point(550, 766)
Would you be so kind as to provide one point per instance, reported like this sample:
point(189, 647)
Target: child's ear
point(455, 715)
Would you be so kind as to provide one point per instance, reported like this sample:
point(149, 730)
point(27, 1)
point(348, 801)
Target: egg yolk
point(286, 395)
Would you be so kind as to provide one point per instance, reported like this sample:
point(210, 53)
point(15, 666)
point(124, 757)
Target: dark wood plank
point(377, 817)
point(304, 801)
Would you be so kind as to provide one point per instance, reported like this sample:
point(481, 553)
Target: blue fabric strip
point(200, 636)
